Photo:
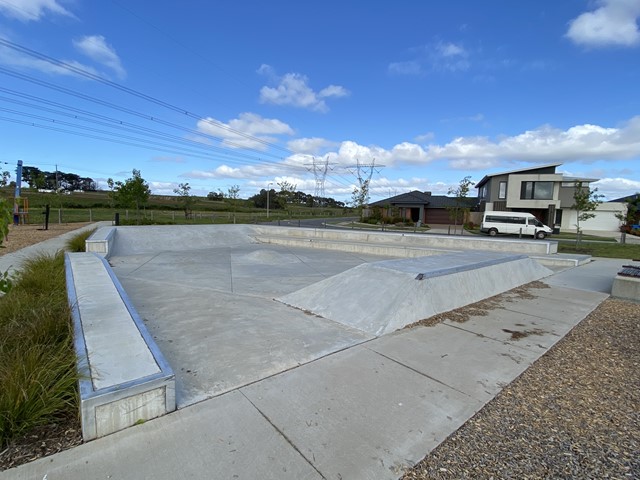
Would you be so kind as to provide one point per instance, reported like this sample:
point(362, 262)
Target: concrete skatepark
point(276, 375)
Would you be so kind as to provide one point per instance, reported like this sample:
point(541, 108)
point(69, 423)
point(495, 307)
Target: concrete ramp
point(381, 297)
point(133, 240)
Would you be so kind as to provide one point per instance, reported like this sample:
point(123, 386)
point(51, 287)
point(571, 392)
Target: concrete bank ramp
point(381, 297)
point(133, 240)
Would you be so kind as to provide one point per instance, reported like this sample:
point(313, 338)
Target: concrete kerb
point(124, 378)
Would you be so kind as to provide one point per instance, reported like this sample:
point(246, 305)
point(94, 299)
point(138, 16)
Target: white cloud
point(293, 89)
point(249, 130)
point(614, 22)
point(411, 67)
point(613, 188)
point(13, 58)
point(583, 143)
point(97, 48)
point(310, 146)
point(425, 137)
point(32, 10)
point(434, 57)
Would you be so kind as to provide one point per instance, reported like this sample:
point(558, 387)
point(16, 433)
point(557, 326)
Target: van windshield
point(538, 223)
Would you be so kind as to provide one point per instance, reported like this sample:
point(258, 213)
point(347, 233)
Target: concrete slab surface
point(595, 276)
point(438, 352)
point(224, 438)
point(211, 312)
point(357, 414)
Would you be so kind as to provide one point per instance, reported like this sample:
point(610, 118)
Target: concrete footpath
point(367, 411)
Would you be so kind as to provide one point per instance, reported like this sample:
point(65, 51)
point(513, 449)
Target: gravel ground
point(574, 414)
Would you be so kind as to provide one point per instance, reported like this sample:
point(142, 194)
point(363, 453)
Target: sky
point(321, 95)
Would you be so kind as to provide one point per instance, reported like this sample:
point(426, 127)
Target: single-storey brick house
point(421, 207)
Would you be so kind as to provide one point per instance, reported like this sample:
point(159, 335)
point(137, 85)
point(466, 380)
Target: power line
point(135, 93)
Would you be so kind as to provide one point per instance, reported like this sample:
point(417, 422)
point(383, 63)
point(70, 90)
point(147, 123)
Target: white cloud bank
point(96, 48)
point(32, 10)
point(292, 89)
point(249, 130)
point(614, 22)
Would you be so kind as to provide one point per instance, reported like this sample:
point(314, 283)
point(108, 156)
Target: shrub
point(77, 242)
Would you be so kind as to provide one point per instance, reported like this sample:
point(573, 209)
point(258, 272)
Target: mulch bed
point(574, 414)
point(41, 442)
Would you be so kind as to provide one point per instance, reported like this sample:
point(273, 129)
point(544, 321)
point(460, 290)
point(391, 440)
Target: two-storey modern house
point(544, 193)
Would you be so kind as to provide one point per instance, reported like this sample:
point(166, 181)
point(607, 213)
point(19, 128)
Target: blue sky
point(250, 93)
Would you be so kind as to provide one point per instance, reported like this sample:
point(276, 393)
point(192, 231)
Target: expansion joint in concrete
point(419, 372)
point(282, 434)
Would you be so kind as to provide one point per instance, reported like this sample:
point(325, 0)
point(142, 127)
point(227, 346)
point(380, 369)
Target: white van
point(516, 223)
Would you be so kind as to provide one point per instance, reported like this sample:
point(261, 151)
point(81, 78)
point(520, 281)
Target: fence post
point(90, 216)
point(59, 216)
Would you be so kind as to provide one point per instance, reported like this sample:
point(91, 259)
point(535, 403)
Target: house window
point(483, 191)
point(536, 191)
point(502, 192)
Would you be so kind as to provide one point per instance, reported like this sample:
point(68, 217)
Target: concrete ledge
point(278, 235)
point(627, 288)
point(124, 376)
point(102, 241)
point(562, 260)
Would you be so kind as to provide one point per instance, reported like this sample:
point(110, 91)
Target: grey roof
point(628, 198)
point(486, 178)
point(425, 198)
point(414, 197)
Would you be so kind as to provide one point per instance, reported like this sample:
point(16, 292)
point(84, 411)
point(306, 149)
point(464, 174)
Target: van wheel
point(540, 235)
point(493, 232)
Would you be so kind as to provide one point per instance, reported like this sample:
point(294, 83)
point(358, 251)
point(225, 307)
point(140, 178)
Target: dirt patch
point(483, 307)
point(518, 334)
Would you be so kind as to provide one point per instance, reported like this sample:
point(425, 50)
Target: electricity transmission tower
point(364, 172)
point(319, 169)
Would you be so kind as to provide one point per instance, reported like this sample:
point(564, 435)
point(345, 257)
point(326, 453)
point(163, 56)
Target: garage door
point(437, 216)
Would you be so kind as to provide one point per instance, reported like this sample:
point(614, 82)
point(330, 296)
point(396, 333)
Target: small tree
point(360, 197)
point(232, 195)
point(585, 201)
point(4, 181)
point(632, 215)
point(460, 210)
point(133, 192)
point(188, 200)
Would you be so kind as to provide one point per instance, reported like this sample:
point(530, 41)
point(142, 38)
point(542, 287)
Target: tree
point(4, 181)
point(585, 201)
point(286, 193)
point(133, 192)
point(233, 195)
point(360, 197)
point(188, 200)
point(219, 195)
point(460, 208)
point(632, 215)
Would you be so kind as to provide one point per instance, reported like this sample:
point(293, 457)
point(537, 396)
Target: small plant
point(77, 243)
point(6, 282)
